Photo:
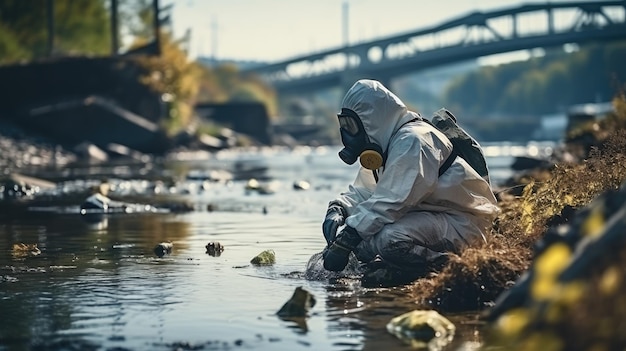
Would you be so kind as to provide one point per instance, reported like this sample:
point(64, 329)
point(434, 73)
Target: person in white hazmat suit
point(399, 216)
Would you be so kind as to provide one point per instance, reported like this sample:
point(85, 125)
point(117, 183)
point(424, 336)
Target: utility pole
point(157, 27)
point(114, 31)
point(50, 10)
point(213, 40)
point(346, 24)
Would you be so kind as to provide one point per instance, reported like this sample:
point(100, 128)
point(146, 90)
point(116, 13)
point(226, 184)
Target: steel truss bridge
point(474, 35)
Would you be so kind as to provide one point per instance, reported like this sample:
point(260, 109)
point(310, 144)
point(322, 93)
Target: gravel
point(20, 151)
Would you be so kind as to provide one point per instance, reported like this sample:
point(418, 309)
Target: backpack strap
point(444, 167)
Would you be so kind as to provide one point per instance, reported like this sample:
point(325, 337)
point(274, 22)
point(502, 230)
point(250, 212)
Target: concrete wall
point(23, 87)
point(70, 100)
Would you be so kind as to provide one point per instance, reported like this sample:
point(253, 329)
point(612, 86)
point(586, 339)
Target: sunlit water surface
point(99, 286)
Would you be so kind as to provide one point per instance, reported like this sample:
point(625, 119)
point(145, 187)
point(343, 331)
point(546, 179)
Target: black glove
point(337, 254)
point(335, 217)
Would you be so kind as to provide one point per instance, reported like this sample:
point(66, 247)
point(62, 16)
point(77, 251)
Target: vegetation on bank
point(550, 197)
point(80, 27)
point(534, 87)
point(183, 84)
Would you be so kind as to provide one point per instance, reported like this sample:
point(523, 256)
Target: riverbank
point(515, 277)
point(21, 150)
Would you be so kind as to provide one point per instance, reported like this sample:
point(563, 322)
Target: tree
point(541, 85)
point(80, 26)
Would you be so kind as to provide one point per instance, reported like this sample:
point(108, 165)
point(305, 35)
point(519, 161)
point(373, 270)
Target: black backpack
point(463, 144)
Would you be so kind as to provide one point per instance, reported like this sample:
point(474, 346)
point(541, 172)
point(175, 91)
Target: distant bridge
point(475, 35)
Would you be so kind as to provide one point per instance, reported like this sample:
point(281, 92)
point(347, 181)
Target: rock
point(90, 152)
point(301, 185)
point(252, 184)
point(123, 151)
point(103, 188)
point(261, 188)
point(298, 305)
point(163, 249)
point(214, 248)
point(422, 329)
point(95, 201)
point(265, 258)
point(211, 143)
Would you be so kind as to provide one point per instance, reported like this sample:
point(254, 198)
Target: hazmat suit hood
point(381, 111)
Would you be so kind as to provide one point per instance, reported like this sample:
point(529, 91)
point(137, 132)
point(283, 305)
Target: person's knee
point(401, 253)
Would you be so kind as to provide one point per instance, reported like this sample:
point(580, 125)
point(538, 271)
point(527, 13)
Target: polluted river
point(92, 281)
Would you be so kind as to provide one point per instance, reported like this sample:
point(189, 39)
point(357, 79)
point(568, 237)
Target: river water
point(97, 285)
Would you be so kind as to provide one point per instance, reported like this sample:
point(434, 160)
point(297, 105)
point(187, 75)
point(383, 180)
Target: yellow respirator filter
point(371, 159)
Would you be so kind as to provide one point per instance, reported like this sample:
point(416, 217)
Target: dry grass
point(478, 276)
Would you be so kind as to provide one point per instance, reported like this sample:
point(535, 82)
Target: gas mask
point(356, 143)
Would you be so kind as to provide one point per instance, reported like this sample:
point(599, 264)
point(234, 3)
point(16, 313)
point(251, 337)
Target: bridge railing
point(519, 27)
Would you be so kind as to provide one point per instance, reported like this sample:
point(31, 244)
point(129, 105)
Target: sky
point(276, 30)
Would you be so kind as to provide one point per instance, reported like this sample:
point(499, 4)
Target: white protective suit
point(411, 216)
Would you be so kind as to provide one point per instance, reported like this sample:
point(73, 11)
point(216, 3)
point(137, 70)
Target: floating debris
point(214, 248)
point(22, 250)
point(253, 184)
point(8, 279)
point(301, 185)
point(261, 188)
point(265, 258)
point(62, 268)
point(163, 249)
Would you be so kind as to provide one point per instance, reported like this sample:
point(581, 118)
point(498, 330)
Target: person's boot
point(381, 274)
point(337, 254)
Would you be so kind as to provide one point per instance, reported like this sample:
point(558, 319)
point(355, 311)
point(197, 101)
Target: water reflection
point(97, 283)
